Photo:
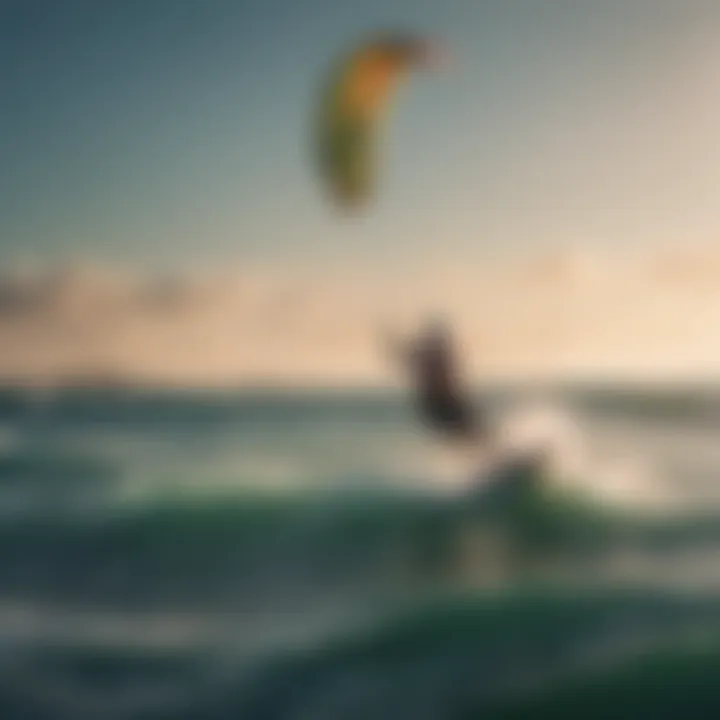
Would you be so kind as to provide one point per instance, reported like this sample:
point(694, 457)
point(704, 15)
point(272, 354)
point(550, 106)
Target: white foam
point(573, 461)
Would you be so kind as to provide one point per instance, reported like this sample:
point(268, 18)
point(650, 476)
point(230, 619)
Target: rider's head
point(437, 330)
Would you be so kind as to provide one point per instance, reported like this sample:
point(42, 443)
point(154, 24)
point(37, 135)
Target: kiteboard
point(508, 478)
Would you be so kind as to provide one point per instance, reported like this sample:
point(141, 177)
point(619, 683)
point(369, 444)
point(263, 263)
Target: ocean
point(316, 556)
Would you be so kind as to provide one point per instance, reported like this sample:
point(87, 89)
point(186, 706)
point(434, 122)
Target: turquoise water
point(189, 555)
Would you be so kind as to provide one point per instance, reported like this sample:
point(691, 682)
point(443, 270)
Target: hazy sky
point(176, 131)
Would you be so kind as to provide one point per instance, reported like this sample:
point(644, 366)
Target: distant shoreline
point(591, 386)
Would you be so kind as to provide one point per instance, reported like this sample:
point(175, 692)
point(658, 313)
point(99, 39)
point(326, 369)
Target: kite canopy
point(352, 107)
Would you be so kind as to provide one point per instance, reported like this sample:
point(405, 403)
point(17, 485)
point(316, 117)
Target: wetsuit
point(440, 400)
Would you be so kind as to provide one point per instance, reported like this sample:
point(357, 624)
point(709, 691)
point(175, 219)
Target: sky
point(573, 315)
point(177, 133)
point(174, 136)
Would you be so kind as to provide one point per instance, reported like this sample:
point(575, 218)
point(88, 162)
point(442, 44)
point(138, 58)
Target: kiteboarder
point(441, 400)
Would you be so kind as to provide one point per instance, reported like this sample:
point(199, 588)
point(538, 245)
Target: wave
point(511, 654)
point(244, 550)
point(474, 657)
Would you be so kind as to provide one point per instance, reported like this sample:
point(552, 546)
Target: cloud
point(198, 329)
point(555, 313)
